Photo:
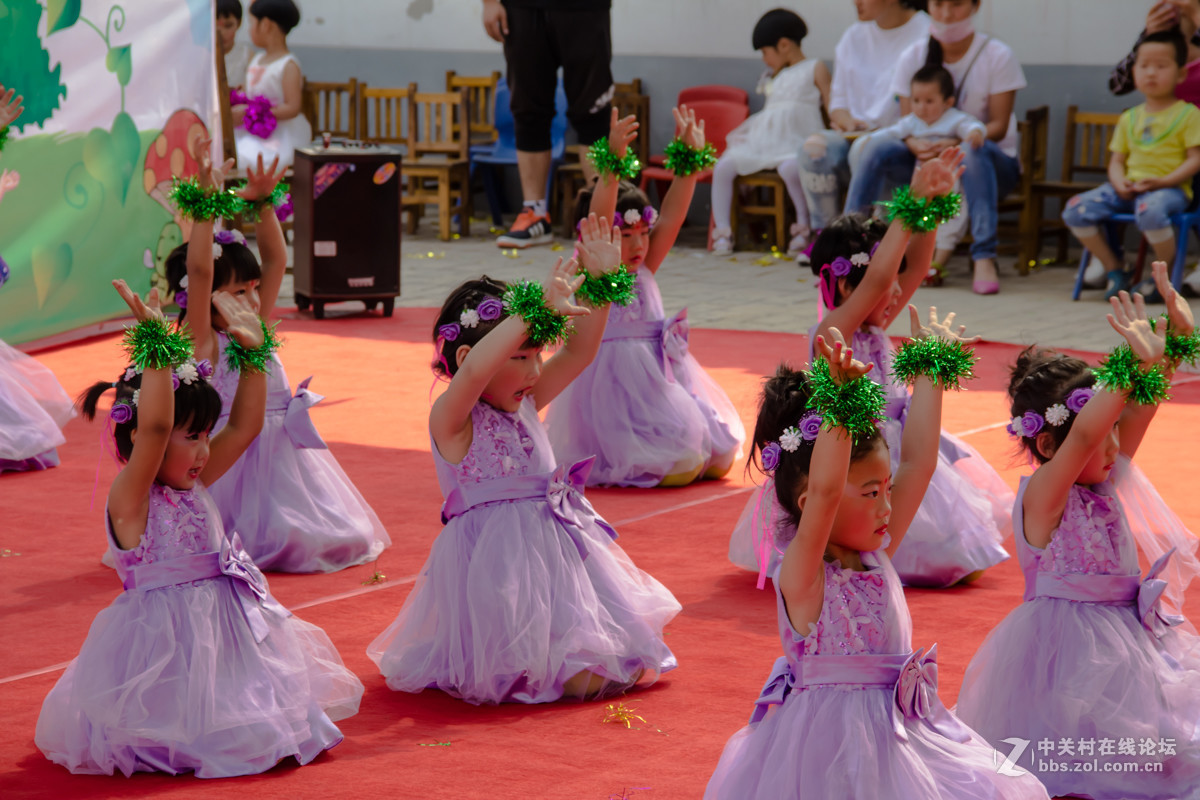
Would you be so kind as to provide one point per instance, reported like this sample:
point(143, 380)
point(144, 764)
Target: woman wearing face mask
point(986, 79)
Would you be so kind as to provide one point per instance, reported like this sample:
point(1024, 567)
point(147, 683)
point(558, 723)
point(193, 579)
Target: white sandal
point(722, 241)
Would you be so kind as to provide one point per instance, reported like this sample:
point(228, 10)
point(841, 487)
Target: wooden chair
point(332, 108)
point(228, 144)
point(437, 169)
point(1027, 230)
point(481, 103)
point(383, 114)
point(633, 87)
point(1084, 167)
point(762, 195)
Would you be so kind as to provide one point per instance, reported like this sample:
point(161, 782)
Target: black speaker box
point(346, 201)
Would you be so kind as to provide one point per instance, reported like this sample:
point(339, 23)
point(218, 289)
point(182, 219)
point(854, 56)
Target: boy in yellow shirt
point(1155, 152)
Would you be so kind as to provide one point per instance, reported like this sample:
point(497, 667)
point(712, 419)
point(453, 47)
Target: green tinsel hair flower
point(257, 359)
point(606, 161)
point(154, 344)
point(922, 216)
point(252, 209)
point(3, 137)
point(856, 406)
point(946, 363)
point(683, 159)
point(197, 203)
point(616, 286)
point(526, 300)
point(1121, 371)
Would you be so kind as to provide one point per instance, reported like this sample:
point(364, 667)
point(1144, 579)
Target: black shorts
point(540, 41)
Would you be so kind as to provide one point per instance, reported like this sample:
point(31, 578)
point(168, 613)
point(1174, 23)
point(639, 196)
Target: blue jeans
point(822, 176)
point(1152, 210)
point(988, 175)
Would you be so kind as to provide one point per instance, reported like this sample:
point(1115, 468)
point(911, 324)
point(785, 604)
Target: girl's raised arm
point(802, 573)
point(272, 248)
point(250, 401)
point(129, 495)
point(1046, 492)
point(621, 133)
point(200, 260)
point(679, 197)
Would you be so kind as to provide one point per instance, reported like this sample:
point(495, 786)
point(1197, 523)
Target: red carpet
point(375, 374)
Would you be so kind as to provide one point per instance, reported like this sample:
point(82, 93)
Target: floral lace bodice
point(225, 381)
point(863, 612)
point(647, 302)
point(1092, 538)
point(502, 445)
point(178, 523)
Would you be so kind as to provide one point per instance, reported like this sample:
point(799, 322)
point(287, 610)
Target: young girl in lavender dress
point(195, 667)
point(289, 499)
point(850, 711)
point(1092, 663)
point(645, 408)
point(33, 406)
point(964, 515)
point(274, 81)
point(525, 597)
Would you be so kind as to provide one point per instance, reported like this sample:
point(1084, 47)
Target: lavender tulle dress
point(1090, 656)
point(195, 667)
point(524, 587)
point(963, 518)
point(850, 711)
point(33, 409)
point(287, 497)
point(645, 408)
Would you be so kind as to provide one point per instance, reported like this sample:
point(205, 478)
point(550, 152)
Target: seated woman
point(987, 76)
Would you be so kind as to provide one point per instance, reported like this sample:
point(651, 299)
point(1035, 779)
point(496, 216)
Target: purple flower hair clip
point(840, 267)
point(770, 456)
point(810, 426)
point(174, 382)
point(204, 368)
point(130, 374)
point(1027, 425)
point(449, 332)
point(181, 298)
point(490, 309)
point(120, 413)
point(1078, 398)
point(229, 237)
point(1030, 423)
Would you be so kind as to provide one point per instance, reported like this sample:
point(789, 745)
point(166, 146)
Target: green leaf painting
point(25, 63)
point(120, 61)
point(111, 156)
point(61, 14)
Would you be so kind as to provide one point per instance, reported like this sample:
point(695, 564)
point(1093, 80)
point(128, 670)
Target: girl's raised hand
point(1178, 310)
point(943, 329)
point(688, 128)
point(142, 311)
point(11, 106)
point(621, 132)
point(840, 356)
point(242, 322)
point(260, 182)
point(599, 247)
point(1129, 320)
point(209, 176)
point(562, 284)
point(937, 176)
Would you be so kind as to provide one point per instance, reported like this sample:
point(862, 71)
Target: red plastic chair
point(733, 94)
point(720, 117)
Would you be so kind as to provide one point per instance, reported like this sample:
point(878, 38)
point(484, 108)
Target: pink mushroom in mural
point(170, 156)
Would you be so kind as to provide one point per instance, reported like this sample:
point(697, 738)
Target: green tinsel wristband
point(201, 204)
point(1121, 371)
point(525, 300)
point(946, 363)
point(153, 344)
point(922, 216)
point(855, 406)
point(616, 286)
point(252, 209)
point(3, 137)
point(684, 160)
point(607, 162)
point(1183, 349)
point(243, 359)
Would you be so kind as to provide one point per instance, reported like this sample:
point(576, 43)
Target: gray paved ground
point(755, 291)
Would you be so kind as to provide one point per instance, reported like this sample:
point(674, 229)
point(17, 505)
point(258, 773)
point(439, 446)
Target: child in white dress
point(274, 75)
point(795, 87)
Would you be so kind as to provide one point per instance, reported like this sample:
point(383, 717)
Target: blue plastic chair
point(1184, 223)
point(503, 152)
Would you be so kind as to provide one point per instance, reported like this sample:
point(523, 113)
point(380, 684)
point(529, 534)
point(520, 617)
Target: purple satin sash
point(562, 490)
point(296, 421)
point(672, 336)
point(231, 560)
point(912, 678)
point(1144, 593)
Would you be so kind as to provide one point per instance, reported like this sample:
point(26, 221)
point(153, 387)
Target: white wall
point(1077, 32)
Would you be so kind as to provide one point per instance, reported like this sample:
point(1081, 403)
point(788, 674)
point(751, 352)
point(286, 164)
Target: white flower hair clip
point(469, 318)
point(860, 259)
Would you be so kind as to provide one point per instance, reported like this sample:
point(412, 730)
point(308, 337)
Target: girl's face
point(773, 58)
point(635, 241)
point(514, 381)
point(882, 312)
point(186, 455)
point(247, 289)
point(866, 507)
point(1099, 466)
point(951, 11)
point(869, 10)
point(258, 33)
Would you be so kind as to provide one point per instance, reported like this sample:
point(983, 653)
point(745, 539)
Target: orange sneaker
point(527, 231)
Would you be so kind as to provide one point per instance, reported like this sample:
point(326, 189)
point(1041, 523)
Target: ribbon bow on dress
point(917, 698)
point(249, 585)
point(675, 332)
point(1149, 599)
point(298, 423)
point(564, 494)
